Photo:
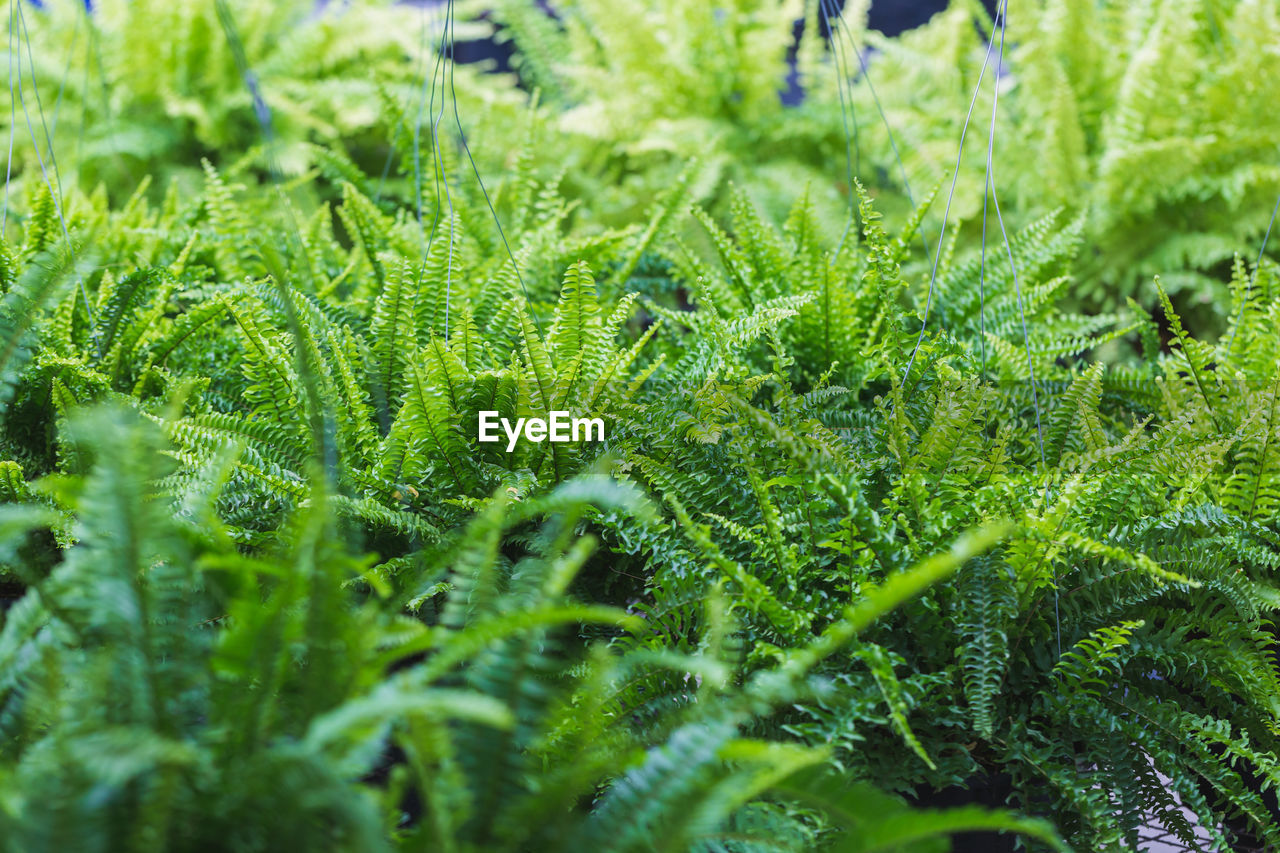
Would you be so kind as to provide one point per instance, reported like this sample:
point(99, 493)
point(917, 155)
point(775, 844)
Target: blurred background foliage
point(265, 586)
point(1151, 118)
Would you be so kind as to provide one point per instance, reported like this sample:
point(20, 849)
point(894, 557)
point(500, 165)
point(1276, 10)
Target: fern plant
point(245, 415)
point(245, 699)
point(1146, 117)
point(118, 113)
point(1142, 552)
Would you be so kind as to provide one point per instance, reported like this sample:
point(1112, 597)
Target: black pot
point(989, 791)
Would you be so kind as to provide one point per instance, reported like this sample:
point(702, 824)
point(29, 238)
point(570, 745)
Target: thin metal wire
point(946, 214)
point(13, 124)
point(417, 131)
point(322, 422)
point(982, 269)
point(44, 127)
point(1003, 15)
point(437, 157)
point(986, 193)
point(1248, 293)
point(893, 142)
point(441, 174)
point(842, 81)
point(1004, 234)
point(467, 148)
point(55, 185)
point(436, 171)
point(835, 26)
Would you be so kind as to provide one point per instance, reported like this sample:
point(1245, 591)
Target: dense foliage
point(878, 514)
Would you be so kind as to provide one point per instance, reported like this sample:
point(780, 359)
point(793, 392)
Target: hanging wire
point(18, 25)
point(893, 144)
point(322, 424)
point(44, 127)
point(838, 32)
point(424, 49)
point(946, 214)
point(417, 138)
point(846, 110)
point(990, 180)
point(441, 174)
point(475, 170)
point(888, 127)
point(13, 124)
point(262, 112)
point(443, 74)
point(1000, 25)
point(982, 264)
point(1253, 277)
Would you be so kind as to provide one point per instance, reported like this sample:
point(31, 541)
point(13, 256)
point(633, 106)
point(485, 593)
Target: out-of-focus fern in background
point(263, 585)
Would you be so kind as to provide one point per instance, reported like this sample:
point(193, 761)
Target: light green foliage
point(1153, 113)
point(222, 698)
point(641, 88)
point(139, 88)
point(1144, 518)
point(266, 587)
point(1152, 118)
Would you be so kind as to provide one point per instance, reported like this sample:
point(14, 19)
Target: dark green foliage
point(163, 688)
point(265, 587)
